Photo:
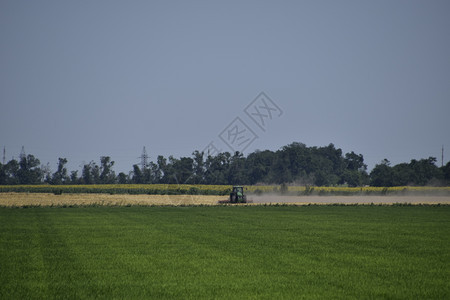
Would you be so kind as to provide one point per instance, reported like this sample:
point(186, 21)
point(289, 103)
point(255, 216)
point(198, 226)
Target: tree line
point(292, 164)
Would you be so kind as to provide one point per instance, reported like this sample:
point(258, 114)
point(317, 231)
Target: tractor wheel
point(232, 198)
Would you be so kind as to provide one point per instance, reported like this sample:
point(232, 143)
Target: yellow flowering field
point(152, 189)
point(187, 189)
point(339, 190)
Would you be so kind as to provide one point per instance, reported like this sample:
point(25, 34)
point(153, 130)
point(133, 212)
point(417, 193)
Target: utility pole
point(4, 155)
point(442, 156)
point(144, 159)
point(22, 153)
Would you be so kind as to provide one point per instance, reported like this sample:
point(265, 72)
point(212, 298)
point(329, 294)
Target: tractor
point(237, 196)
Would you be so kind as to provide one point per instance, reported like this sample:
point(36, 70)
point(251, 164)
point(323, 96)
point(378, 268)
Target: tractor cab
point(237, 195)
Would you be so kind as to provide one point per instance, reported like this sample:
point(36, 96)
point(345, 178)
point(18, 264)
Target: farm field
point(221, 190)
point(45, 199)
point(225, 252)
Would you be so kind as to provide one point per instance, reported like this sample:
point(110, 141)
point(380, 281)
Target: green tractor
point(237, 195)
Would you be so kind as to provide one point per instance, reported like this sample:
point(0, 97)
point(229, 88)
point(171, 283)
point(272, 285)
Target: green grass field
point(264, 252)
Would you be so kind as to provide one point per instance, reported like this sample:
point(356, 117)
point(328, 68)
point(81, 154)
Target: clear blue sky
point(81, 79)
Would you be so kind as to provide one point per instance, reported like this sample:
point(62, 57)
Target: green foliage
point(87, 173)
point(9, 173)
point(29, 171)
point(60, 176)
point(446, 173)
point(122, 178)
point(417, 173)
point(282, 252)
point(294, 164)
point(382, 174)
point(354, 162)
point(107, 175)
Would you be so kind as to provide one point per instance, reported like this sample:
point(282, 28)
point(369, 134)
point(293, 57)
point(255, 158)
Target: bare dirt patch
point(350, 199)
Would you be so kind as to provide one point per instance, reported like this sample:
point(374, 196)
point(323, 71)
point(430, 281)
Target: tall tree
point(3, 176)
point(10, 172)
point(354, 162)
point(60, 176)
point(182, 169)
point(382, 174)
point(446, 173)
point(355, 170)
point(198, 167)
point(258, 166)
point(29, 171)
point(74, 177)
point(122, 178)
point(90, 173)
point(161, 161)
point(217, 168)
point(107, 175)
point(237, 174)
point(137, 176)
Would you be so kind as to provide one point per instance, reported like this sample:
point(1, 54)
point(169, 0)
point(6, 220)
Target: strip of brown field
point(304, 200)
point(42, 199)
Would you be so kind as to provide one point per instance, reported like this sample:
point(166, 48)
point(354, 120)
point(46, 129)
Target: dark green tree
point(237, 174)
point(137, 176)
point(354, 162)
point(163, 169)
point(258, 166)
point(29, 171)
point(296, 158)
point(107, 175)
point(182, 169)
point(91, 173)
point(402, 175)
point(60, 176)
point(4, 177)
point(198, 167)
point(9, 172)
point(74, 177)
point(355, 173)
point(425, 170)
point(382, 174)
point(217, 168)
point(46, 173)
point(155, 173)
point(280, 171)
point(446, 173)
point(122, 178)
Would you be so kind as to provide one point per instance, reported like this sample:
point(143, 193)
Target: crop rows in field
point(225, 252)
point(187, 189)
point(132, 189)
